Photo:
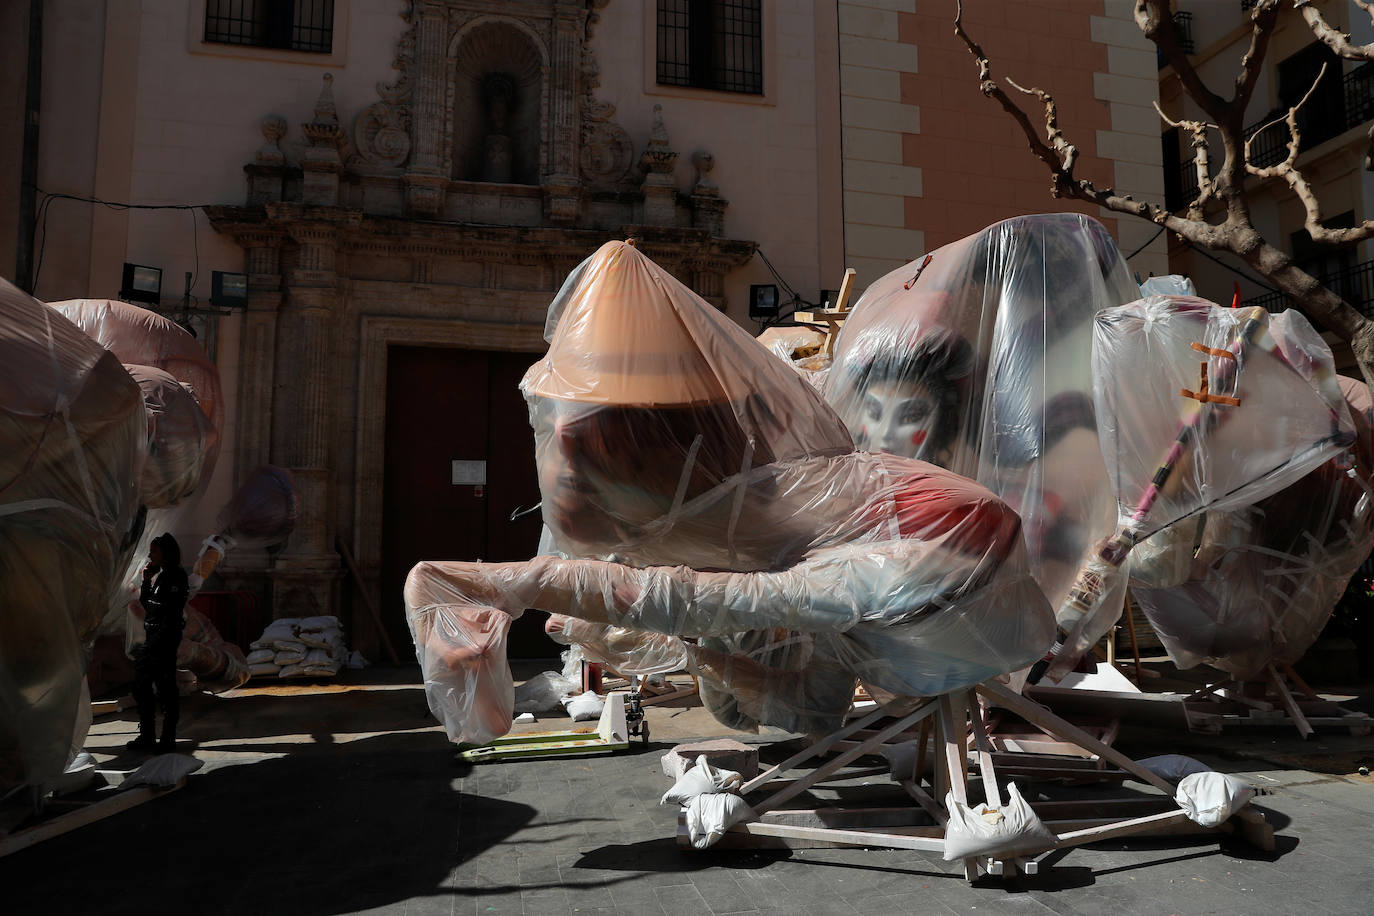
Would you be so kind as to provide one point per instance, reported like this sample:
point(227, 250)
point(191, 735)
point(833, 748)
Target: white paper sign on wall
point(469, 473)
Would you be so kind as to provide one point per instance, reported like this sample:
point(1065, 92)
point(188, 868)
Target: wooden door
point(452, 417)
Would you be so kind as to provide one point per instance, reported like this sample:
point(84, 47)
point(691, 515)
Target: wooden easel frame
point(951, 718)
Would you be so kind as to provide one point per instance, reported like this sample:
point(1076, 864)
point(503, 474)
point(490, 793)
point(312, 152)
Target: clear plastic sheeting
point(976, 357)
point(1201, 409)
point(802, 347)
point(73, 437)
point(179, 438)
point(700, 489)
point(631, 652)
point(141, 337)
point(462, 654)
point(217, 665)
point(263, 510)
point(1264, 578)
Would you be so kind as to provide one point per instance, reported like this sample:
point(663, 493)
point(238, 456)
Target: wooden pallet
point(950, 720)
point(610, 735)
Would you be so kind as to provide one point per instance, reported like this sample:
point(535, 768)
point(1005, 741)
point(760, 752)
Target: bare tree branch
point(1201, 159)
point(1288, 171)
point(1332, 37)
point(1236, 234)
point(1156, 19)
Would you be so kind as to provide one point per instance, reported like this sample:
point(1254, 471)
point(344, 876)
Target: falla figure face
point(899, 417)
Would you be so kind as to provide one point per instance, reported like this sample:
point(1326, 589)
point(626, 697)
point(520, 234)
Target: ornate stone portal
point(480, 177)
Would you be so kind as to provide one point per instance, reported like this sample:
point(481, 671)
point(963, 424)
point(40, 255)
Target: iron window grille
point(711, 44)
point(291, 25)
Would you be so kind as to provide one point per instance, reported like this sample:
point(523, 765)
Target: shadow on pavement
point(310, 835)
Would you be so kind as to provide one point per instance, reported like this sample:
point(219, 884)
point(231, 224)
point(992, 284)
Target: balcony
point(1183, 26)
point(1354, 284)
point(1351, 107)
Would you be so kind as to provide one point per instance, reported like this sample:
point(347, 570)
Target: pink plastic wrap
point(72, 440)
point(621, 648)
point(141, 337)
point(1265, 577)
point(704, 491)
point(976, 357)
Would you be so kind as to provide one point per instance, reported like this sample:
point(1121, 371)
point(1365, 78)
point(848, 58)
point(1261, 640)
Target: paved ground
point(347, 799)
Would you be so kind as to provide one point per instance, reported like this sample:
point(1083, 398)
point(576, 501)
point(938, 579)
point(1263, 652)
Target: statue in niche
point(498, 94)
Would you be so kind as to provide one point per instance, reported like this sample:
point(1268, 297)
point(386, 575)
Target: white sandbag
point(544, 692)
point(983, 830)
point(901, 758)
point(317, 658)
point(264, 669)
point(357, 660)
point(261, 656)
point(292, 656)
point(162, 771)
point(1174, 767)
point(584, 706)
point(1210, 798)
point(702, 779)
point(709, 816)
point(319, 670)
point(320, 623)
point(293, 671)
point(322, 639)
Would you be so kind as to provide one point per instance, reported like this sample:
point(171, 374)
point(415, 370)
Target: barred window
point(292, 25)
point(711, 44)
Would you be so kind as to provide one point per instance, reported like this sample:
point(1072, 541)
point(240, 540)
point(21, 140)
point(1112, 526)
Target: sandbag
point(981, 830)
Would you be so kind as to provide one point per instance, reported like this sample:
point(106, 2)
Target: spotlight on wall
point(763, 301)
point(228, 290)
point(141, 284)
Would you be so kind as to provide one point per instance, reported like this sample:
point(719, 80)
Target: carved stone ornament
point(273, 129)
point(607, 154)
point(658, 159)
point(382, 130)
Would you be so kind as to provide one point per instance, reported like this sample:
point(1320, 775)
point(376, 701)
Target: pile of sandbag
point(299, 647)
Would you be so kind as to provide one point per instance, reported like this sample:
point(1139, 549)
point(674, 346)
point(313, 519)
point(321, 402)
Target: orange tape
point(1202, 394)
point(1213, 351)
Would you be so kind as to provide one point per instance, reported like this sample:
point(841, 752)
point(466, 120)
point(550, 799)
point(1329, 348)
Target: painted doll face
point(899, 417)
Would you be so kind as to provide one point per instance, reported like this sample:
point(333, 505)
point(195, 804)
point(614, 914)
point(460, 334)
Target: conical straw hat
point(622, 340)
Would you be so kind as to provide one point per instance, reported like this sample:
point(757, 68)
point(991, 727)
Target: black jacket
point(164, 600)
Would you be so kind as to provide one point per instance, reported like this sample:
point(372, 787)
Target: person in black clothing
point(163, 597)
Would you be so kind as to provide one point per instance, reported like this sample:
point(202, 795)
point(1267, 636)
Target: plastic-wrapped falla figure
point(705, 492)
point(977, 358)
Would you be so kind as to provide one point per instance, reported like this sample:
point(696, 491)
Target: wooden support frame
point(953, 718)
point(115, 802)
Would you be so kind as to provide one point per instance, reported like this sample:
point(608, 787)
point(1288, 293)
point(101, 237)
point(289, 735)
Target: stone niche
point(497, 93)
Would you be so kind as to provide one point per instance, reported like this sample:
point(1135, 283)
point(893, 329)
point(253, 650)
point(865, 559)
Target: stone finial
point(658, 160)
point(325, 109)
point(273, 129)
point(704, 163)
point(658, 133)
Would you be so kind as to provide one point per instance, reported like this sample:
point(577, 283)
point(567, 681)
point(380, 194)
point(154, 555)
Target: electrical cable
point(1144, 246)
point(40, 222)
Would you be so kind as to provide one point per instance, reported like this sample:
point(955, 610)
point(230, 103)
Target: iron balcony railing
point(1354, 284)
point(1353, 107)
point(1183, 26)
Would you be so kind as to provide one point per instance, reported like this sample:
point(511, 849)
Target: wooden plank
point(812, 750)
point(1304, 727)
point(850, 818)
point(1167, 822)
point(928, 804)
point(822, 772)
point(984, 750)
point(1043, 718)
point(367, 599)
point(89, 814)
point(841, 837)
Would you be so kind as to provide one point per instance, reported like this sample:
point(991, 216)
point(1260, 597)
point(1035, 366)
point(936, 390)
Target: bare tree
point(1226, 225)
